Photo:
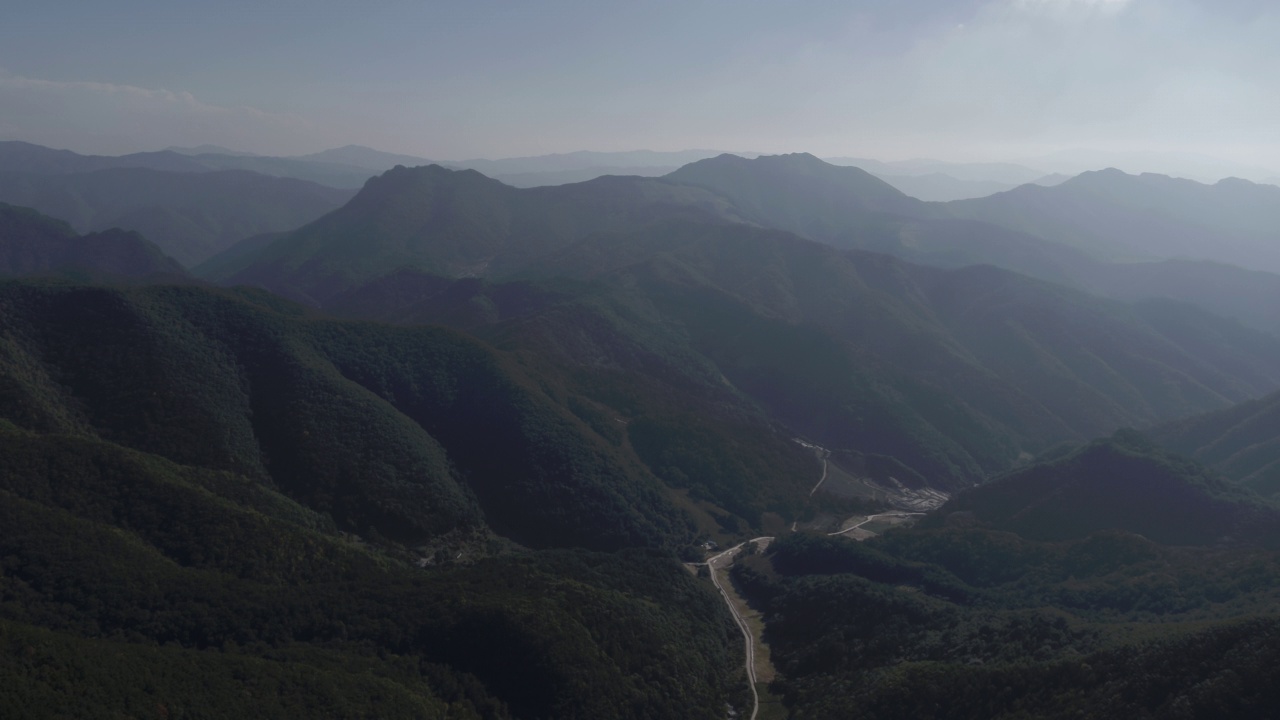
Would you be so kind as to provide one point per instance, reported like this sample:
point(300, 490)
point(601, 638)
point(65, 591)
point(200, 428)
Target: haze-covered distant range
point(1178, 87)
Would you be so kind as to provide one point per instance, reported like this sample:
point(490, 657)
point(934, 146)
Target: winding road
point(761, 544)
point(825, 454)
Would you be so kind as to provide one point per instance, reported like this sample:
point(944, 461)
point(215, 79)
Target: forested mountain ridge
point(133, 582)
point(1242, 441)
point(456, 223)
point(240, 384)
point(1120, 483)
point(994, 364)
point(33, 244)
point(1065, 234)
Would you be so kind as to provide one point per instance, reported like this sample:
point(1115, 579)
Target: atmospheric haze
point(1175, 86)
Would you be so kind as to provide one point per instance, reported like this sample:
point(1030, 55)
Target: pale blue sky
point(957, 79)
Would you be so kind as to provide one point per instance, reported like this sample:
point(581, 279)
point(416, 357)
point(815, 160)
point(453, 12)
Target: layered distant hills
point(33, 244)
point(191, 216)
point(954, 372)
point(1113, 215)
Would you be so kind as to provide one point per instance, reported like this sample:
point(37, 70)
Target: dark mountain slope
point(399, 429)
point(1122, 483)
point(32, 244)
point(955, 373)
point(130, 582)
point(456, 223)
point(190, 216)
point(630, 373)
point(956, 326)
point(1242, 441)
point(1112, 581)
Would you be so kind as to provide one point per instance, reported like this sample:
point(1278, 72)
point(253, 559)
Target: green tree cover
point(955, 373)
point(983, 611)
point(418, 432)
point(212, 594)
point(628, 375)
point(1126, 483)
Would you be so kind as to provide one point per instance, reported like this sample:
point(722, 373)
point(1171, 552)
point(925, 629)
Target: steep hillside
point(1123, 483)
point(132, 584)
point(1044, 232)
point(851, 209)
point(32, 244)
point(955, 373)
point(421, 434)
point(1243, 442)
point(457, 223)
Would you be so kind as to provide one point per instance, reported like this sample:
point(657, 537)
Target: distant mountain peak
point(364, 157)
point(208, 149)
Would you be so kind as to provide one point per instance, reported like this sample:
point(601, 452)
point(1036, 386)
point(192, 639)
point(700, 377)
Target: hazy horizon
point(1045, 83)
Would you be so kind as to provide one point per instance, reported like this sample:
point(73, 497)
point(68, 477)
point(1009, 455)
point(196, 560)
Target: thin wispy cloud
point(111, 117)
point(959, 79)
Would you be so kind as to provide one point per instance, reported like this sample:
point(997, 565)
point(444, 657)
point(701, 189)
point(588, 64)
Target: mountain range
point(440, 449)
point(955, 373)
